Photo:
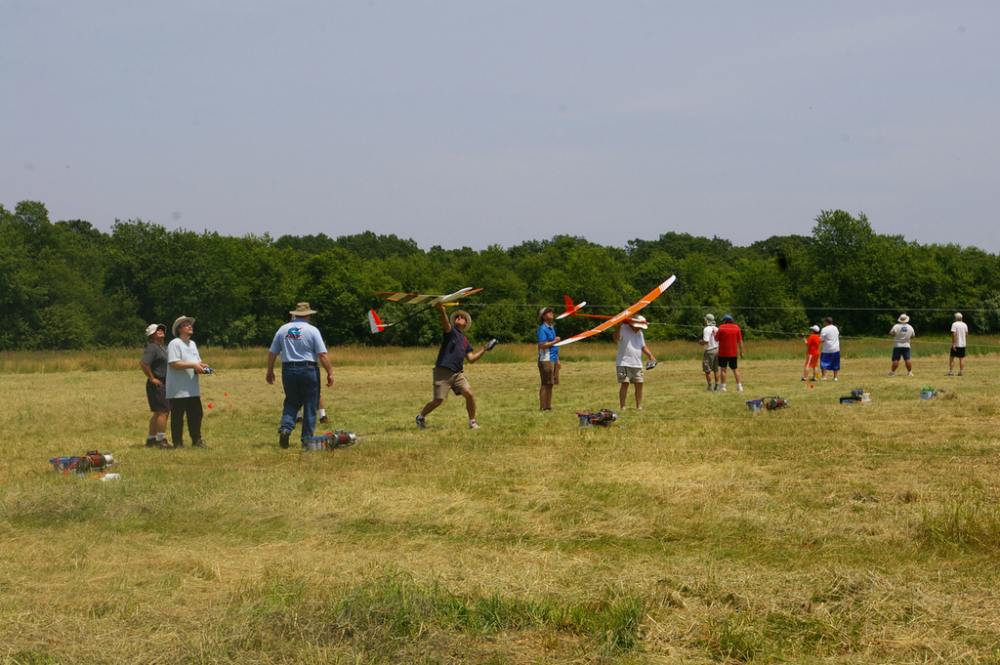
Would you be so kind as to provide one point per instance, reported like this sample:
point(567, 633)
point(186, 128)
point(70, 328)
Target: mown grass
point(691, 531)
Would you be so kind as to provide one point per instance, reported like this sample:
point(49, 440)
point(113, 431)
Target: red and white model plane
point(375, 323)
point(611, 321)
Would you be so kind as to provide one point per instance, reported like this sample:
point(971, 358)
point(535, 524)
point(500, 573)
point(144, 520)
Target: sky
point(482, 122)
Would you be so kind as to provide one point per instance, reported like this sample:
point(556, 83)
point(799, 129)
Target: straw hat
point(903, 318)
point(178, 323)
point(542, 311)
point(637, 322)
point(468, 319)
point(302, 309)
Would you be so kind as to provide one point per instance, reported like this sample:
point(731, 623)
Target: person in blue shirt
point(548, 358)
point(302, 351)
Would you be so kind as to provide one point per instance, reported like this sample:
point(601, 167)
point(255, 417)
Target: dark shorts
point(958, 352)
point(830, 361)
point(900, 352)
point(729, 361)
point(157, 397)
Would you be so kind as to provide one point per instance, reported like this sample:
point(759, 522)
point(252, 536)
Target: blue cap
point(727, 317)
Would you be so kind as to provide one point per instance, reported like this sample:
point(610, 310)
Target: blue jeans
point(301, 384)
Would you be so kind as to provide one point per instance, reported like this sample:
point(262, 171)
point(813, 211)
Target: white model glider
point(375, 323)
point(611, 321)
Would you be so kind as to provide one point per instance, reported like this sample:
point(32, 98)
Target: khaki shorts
point(448, 380)
point(629, 374)
point(710, 361)
point(548, 370)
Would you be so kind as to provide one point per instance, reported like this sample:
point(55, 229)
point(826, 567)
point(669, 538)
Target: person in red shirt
point(812, 353)
point(730, 340)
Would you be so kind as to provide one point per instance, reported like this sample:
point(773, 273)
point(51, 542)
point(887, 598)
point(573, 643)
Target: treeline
point(66, 285)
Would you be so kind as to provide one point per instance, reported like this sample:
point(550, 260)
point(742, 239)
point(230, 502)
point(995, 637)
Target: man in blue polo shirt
point(302, 351)
point(548, 358)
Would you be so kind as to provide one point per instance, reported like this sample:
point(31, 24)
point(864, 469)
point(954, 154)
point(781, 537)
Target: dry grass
point(692, 531)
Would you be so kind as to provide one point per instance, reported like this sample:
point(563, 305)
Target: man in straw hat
point(628, 363)
point(901, 334)
point(710, 360)
point(448, 374)
point(302, 351)
point(959, 339)
point(548, 358)
point(183, 367)
point(154, 365)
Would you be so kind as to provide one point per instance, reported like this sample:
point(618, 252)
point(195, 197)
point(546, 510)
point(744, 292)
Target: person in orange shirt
point(812, 353)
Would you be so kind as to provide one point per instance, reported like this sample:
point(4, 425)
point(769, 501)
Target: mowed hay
point(691, 531)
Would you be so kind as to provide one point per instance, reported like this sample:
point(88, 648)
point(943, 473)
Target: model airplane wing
point(419, 299)
point(621, 316)
point(375, 323)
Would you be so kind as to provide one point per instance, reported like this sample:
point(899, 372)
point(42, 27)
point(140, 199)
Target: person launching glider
point(376, 325)
point(611, 321)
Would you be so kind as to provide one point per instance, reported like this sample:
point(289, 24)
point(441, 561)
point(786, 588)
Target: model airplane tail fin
point(571, 309)
point(374, 322)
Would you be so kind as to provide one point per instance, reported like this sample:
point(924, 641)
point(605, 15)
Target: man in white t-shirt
point(829, 352)
point(959, 339)
point(901, 334)
point(710, 361)
point(631, 346)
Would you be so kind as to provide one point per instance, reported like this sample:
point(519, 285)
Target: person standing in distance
point(829, 355)
point(183, 367)
point(812, 353)
point(901, 335)
point(959, 339)
point(710, 360)
point(302, 351)
point(548, 358)
point(730, 341)
point(154, 365)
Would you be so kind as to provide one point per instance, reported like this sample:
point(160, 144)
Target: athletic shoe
point(834, 378)
point(421, 423)
point(638, 408)
point(474, 425)
point(739, 389)
point(283, 439)
point(892, 374)
point(823, 378)
point(722, 388)
point(910, 374)
point(179, 444)
point(163, 444)
point(960, 372)
point(200, 443)
point(324, 420)
point(151, 443)
point(803, 378)
point(709, 388)
point(950, 374)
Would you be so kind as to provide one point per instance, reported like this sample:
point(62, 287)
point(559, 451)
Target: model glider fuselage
point(375, 323)
point(611, 321)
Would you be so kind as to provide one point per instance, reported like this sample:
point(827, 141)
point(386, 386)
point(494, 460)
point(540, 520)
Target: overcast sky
point(474, 123)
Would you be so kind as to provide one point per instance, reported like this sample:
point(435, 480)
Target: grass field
point(691, 531)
